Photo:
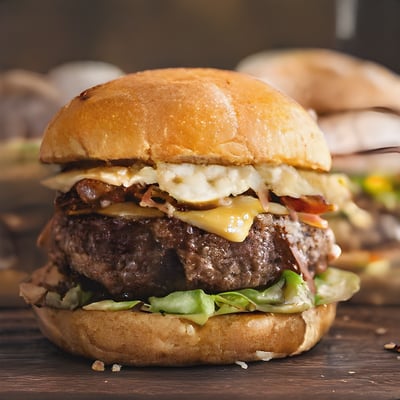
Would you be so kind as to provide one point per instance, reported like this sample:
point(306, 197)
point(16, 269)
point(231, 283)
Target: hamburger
point(357, 106)
point(188, 225)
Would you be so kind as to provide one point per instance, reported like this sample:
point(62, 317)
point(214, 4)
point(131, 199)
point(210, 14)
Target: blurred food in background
point(73, 77)
point(357, 105)
point(28, 100)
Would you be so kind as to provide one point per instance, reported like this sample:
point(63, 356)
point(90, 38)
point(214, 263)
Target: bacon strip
point(308, 204)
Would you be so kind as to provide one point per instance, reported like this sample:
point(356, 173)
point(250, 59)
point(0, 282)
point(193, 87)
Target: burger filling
point(192, 240)
point(380, 195)
point(155, 256)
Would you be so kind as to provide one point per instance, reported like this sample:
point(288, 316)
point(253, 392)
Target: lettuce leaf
point(111, 305)
point(74, 298)
point(335, 285)
point(185, 302)
point(290, 294)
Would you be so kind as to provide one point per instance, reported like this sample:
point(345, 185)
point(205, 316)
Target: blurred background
point(139, 34)
point(46, 46)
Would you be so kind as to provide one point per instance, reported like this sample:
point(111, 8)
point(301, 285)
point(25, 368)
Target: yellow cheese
point(231, 222)
point(116, 175)
point(130, 210)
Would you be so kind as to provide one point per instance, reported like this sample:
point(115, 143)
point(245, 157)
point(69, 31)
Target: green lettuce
point(111, 305)
point(335, 285)
point(290, 294)
point(74, 298)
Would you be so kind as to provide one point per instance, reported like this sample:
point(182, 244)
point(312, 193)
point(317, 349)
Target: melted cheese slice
point(232, 222)
point(130, 210)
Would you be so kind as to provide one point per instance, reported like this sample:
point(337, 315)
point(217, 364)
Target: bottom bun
point(141, 339)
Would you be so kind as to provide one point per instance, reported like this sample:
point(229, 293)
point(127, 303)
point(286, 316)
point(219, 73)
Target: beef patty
point(138, 258)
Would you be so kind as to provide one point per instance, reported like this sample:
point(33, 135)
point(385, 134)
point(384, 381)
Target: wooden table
point(349, 363)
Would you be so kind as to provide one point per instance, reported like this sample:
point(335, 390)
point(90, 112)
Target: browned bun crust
point(326, 80)
point(141, 339)
point(185, 115)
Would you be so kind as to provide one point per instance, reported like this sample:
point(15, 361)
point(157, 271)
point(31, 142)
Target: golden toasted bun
point(185, 115)
point(140, 339)
point(326, 80)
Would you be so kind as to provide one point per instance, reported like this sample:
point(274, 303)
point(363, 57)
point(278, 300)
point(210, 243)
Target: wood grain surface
point(349, 363)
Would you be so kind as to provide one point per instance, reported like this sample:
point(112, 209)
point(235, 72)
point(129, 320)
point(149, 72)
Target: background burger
point(187, 225)
point(28, 100)
point(357, 105)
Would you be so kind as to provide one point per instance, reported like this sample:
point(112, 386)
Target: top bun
point(326, 80)
point(185, 115)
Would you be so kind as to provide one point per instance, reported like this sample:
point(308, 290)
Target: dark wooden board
point(349, 363)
